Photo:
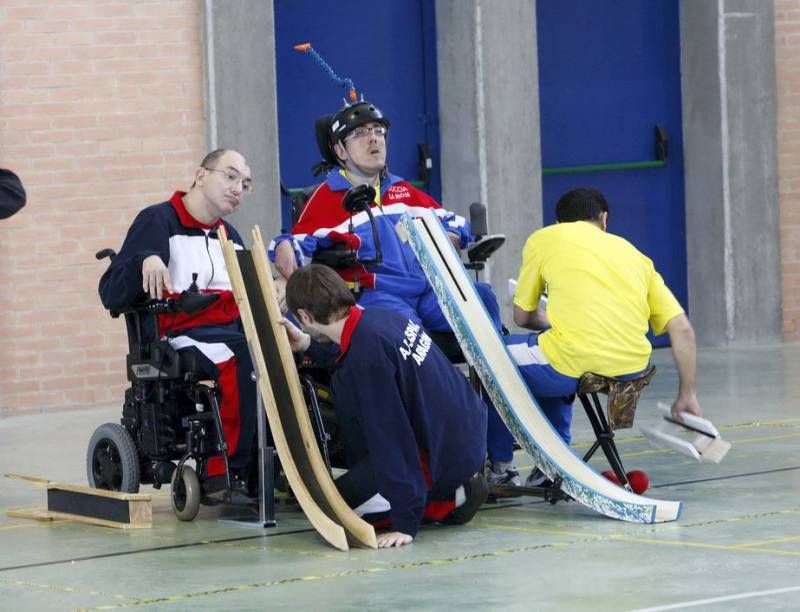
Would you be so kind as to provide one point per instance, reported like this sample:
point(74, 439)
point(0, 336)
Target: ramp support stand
point(266, 472)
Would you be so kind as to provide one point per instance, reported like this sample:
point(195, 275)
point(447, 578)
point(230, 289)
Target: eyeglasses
point(233, 176)
point(363, 132)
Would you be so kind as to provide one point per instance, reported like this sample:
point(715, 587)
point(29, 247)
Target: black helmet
point(353, 116)
point(331, 129)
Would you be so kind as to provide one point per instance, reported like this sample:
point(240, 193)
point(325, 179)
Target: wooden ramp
point(486, 351)
point(87, 505)
point(286, 385)
point(297, 451)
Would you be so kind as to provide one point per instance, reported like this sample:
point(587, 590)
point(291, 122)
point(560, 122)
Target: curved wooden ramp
point(286, 385)
point(298, 473)
point(486, 351)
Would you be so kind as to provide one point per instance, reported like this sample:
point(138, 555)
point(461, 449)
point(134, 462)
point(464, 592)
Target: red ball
point(639, 481)
point(610, 475)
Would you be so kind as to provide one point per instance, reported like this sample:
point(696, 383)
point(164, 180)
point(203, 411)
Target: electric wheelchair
point(170, 415)
point(315, 379)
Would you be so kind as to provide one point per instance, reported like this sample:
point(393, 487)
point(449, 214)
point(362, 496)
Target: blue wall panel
point(608, 73)
point(387, 48)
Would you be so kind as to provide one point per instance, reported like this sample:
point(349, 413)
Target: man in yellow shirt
point(602, 295)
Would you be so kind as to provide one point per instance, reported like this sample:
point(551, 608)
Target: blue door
point(607, 76)
point(387, 48)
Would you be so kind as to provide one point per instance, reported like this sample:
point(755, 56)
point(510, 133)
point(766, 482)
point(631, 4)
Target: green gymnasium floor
point(737, 545)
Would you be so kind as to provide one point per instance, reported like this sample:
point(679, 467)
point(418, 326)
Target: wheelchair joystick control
point(193, 288)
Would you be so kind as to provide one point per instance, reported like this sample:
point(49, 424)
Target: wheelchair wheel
point(185, 493)
point(112, 461)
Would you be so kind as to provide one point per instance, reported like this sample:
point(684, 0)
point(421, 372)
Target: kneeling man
point(415, 431)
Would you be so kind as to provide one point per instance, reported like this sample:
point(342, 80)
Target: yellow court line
point(768, 438)
point(554, 532)
point(704, 545)
point(62, 589)
point(772, 541)
point(582, 537)
point(750, 425)
point(777, 422)
point(659, 451)
point(292, 551)
point(744, 517)
point(239, 588)
point(751, 547)
point(27, 525)
point(662, 451)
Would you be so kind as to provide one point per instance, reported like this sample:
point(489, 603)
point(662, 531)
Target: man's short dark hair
point(582, 204)
point(212, 158)
point(319, 291)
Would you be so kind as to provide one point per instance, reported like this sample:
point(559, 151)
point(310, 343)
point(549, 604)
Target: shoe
point(476, 491)
point(502, 473)
point(213, 491)
point(537, 478)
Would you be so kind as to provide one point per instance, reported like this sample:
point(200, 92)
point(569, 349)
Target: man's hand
point(455, 239)
point(299, 341)
point(280, 293)
point(155, 277)
point(394, 538)
point(284, 259)
point(686, 404)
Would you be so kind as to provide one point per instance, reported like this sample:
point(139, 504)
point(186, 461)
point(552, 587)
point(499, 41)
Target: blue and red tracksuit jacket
point(424, 425)
point(324, 223)
point(186, 246)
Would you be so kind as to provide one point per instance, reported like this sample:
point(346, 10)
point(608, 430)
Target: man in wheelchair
point(359, 239)
point(382, 270)
point(172, 248)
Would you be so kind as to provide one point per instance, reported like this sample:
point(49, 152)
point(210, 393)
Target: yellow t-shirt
point(601, 295)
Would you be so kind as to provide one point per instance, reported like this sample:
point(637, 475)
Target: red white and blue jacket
point(324, 223)
point(186, 246)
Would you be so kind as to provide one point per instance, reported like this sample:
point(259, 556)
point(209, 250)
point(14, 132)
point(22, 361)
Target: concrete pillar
point(489, 120)
point(241, 101)
point(730, 168)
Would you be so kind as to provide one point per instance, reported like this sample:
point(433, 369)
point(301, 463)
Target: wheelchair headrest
point(322, 131)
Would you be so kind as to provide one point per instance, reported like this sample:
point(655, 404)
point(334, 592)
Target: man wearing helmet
point(353, 145)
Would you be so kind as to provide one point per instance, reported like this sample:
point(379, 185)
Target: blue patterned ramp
point(486, 352)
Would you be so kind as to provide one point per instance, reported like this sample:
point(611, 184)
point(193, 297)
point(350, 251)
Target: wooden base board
point(88, 505)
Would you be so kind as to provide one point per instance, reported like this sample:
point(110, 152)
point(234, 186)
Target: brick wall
point(787, 62)
point(101, 113)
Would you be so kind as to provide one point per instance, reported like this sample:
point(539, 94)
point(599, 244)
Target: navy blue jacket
point(186, 246)
point(414, 406)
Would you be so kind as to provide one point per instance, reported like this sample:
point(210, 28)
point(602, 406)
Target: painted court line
point(618, 537)
point(126, 553)
point(711, 600)
point(411, 565)
point(704, 545)
point(761, 543)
